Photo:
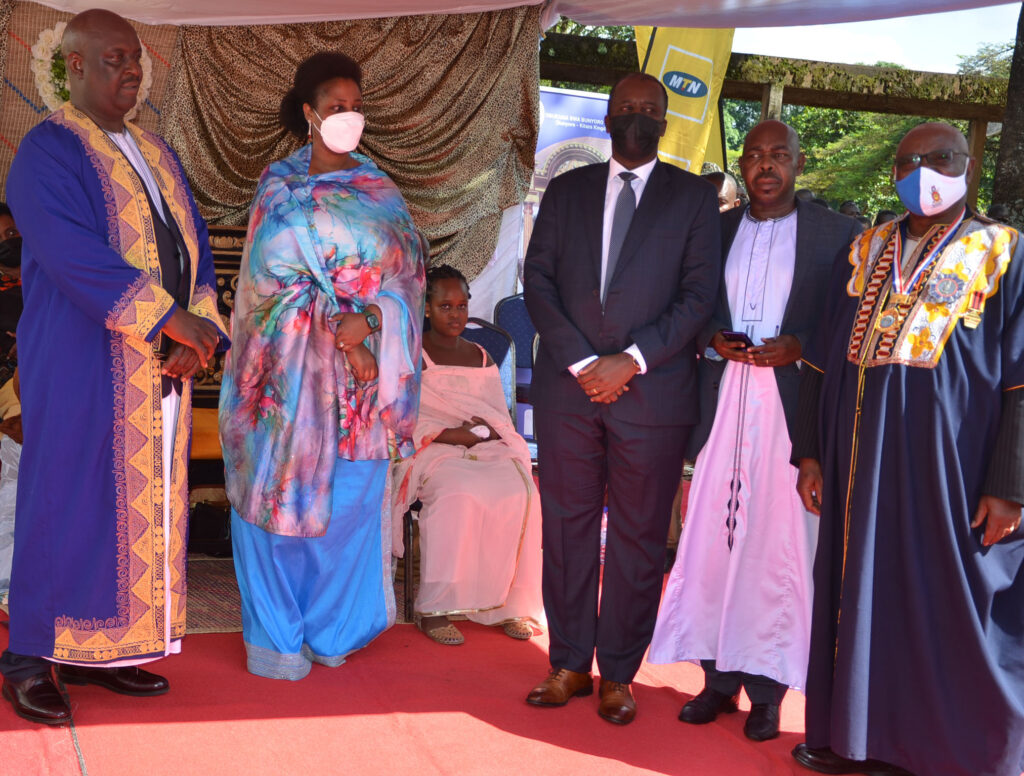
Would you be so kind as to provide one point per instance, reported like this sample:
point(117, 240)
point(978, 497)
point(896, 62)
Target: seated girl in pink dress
point(480, 520)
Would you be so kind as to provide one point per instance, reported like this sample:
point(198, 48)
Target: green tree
point(857, 166)
point(992, 59)
point(567, 26)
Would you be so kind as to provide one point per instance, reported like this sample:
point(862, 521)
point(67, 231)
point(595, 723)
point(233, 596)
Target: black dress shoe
point(762, 723)
point(707, 706)
point(37, 699)
point(824, 760)
point(128, 680)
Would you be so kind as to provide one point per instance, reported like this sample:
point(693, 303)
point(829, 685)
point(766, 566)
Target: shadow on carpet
point(213, 602)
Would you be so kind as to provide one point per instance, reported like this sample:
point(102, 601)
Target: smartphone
point(737, 336)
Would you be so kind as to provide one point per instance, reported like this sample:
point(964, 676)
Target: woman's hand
point(461, 435)
point(475, 421)
point(353, 328)
point(362, 363)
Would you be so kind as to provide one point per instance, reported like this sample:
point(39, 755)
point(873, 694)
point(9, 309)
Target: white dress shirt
point(611, 196)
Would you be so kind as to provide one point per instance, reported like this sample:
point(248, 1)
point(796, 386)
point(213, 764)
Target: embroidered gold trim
point(954, 288)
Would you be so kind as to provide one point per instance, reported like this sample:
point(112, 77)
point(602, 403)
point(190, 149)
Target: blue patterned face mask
point(926, 192)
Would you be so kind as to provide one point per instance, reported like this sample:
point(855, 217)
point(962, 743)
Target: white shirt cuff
point(634, 351)
point(575, 369)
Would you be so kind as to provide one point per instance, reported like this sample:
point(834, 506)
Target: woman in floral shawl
point(321, 389)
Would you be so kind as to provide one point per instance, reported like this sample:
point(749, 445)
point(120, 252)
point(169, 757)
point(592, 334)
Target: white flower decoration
point(51, 78)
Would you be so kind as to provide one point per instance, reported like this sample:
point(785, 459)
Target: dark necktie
point(625, 206)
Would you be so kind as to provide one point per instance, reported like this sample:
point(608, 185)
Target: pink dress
point(480, 522)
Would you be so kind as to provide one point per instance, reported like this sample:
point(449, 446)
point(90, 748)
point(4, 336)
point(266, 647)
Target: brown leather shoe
point(37, 699)
point(617, 702)
point(128, 680)
point(561, 685)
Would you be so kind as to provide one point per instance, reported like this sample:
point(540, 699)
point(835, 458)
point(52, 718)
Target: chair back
point(511, 315)
point(502, 350)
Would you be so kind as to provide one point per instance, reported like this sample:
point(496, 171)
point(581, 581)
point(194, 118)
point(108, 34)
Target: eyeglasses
point(942, 159)
point(756, 157)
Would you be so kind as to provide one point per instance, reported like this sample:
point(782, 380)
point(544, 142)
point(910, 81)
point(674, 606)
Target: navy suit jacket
point(660, 296)
point(822, 238)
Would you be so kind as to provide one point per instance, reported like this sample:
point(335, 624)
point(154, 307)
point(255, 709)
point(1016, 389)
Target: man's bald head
point(103, 57)
point(932, 135)
point(90, 27)
point(773, 132)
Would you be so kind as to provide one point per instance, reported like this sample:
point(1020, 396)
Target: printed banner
point(691, 63)
point(571, 134)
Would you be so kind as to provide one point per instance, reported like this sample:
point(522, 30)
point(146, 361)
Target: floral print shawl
point(289, 405)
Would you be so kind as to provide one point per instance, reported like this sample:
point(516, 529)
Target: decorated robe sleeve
point(49, 190)
point(1005, 477)
point(204, 296)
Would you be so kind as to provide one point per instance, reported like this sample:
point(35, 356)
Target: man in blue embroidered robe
point(120, 313)
point(911, 444)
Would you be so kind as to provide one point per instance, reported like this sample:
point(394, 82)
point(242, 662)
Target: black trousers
point(760, 689)
point(17, 667)
point(579, 457)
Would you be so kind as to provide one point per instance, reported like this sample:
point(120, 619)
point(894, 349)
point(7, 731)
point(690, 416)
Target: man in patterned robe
point(120, 313)
point(917, 632)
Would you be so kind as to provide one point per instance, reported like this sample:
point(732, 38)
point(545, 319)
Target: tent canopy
point(668, 13)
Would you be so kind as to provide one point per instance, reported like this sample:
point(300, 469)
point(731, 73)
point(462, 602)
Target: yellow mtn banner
point(691, 64)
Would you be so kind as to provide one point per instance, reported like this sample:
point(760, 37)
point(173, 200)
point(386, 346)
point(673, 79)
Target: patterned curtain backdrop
point(450, 102)
point(21, 104)
point(6, 10)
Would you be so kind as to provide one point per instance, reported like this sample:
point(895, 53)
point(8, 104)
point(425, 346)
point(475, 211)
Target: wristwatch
point(372, 321)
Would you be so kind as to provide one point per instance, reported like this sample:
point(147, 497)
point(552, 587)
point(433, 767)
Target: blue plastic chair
point(510, 314)
point(502, 349)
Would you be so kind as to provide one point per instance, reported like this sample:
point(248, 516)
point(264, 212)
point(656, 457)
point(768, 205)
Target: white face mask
point(341, 131)
point(927, 192)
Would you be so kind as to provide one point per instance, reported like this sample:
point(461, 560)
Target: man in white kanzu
point(739, 596)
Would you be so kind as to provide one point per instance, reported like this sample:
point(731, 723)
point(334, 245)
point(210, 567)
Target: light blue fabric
point(317, 599)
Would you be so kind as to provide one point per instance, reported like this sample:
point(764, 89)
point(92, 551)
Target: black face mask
point(10, 252)
point(634, 135)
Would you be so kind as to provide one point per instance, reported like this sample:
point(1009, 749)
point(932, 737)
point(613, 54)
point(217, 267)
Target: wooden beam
point(819, 84)
point(976, 145)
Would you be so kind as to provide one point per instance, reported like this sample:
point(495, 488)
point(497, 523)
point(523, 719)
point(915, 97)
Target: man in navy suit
point(620, 276)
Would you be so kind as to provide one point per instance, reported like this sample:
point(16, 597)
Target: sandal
point(446, 634)
point(517, 629)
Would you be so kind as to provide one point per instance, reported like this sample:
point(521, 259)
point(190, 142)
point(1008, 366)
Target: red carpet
point(402, 705)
